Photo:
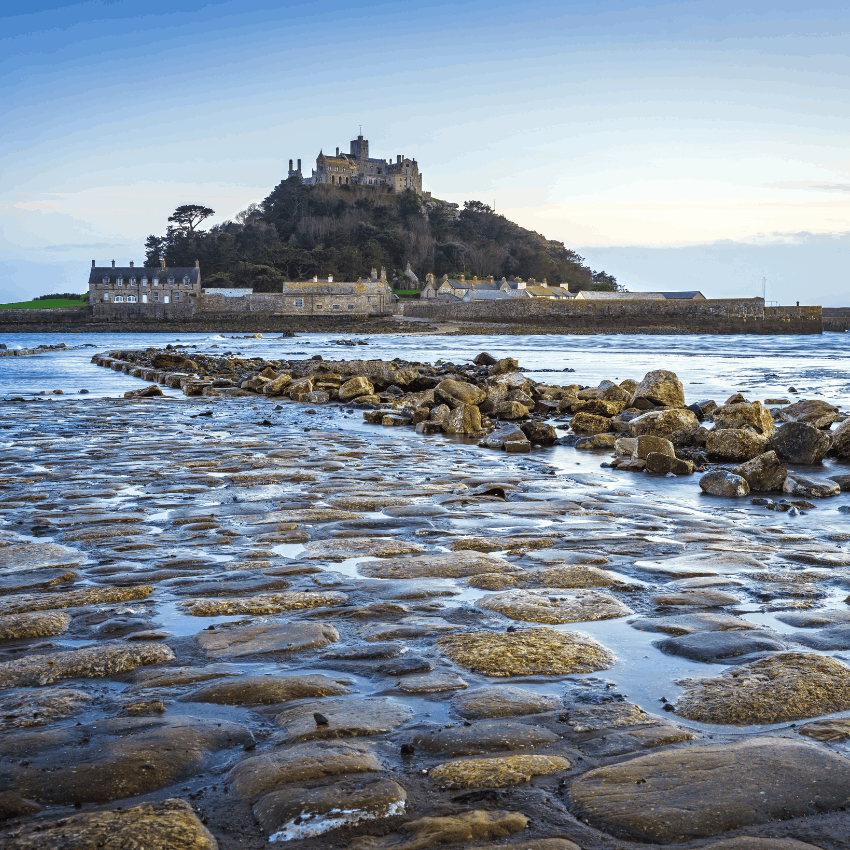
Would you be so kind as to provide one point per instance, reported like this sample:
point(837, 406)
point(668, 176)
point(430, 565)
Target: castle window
point(299, 302)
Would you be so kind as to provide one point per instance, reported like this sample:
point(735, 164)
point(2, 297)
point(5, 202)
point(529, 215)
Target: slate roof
point(688, 295)
point(98, 273)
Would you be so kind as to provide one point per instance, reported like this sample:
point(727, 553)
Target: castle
point(357, 168)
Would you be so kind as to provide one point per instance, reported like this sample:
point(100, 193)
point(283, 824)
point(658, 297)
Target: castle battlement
point(357, 168)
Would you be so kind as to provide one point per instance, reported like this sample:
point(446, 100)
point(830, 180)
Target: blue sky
point(679, 145)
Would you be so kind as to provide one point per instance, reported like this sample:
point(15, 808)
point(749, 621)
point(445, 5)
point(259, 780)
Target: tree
point(154, 250)
point(189, 216)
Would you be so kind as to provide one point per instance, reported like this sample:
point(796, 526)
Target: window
point(186, 280)
point(350, 306)
point(176, 296)
point(119, 297)
point(171, 281)
point(299, 302)
point(320, 306)
point(144, 281)
point(336, 306)
point(106, 281)
point(132, 281)
point(156, 296)
point(106, 296)
point(156, 281)
point(165, 299)
point(120, 281)
point(131, 299)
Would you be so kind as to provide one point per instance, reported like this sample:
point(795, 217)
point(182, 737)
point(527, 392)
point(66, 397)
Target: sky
point(699, 145)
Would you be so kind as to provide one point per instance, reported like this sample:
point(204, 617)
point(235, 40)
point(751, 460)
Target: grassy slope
point(43, 305)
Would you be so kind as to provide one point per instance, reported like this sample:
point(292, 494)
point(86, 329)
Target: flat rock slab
point(105, 659)
point(745, 842)
point(528, 652)
point(368, 502)
point(691, 566)
point(338, 549)
point(498, 772)
point(112, 759)
point(155, 826)
point(267, 690)
point(236, 641)
point(35, 624)
point(786, 686)
point(501, 544)
point(476, 825)
point(502, 702)
point(568, 575)
point(345, 719)
point(264, 603)
point(38, 706)
point(445, 565)
point(710, 647)
point(432, 683)
point(407, 627)
point(687, 624)
point(622, 742)
point(549, 605)
point(705, 598)
point(36, 580)
point(37, 556)
point(484, 737)
point(170, 677)
point(293, 813)
point(301, 763)
point(832, 637)
point(830, 729)
point(71, 599)
point(592, 718)
point(700, 791)
point(813, 619)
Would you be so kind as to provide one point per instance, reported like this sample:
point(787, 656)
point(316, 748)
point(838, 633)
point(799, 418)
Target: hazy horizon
point(676, 146)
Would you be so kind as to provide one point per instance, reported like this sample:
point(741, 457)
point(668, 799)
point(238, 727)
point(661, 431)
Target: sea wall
point(333, 302)
point(836, 319)
point(722, 316)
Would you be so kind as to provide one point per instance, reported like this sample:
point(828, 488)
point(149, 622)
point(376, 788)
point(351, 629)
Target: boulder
point(504, 366)
point(232, 640)
point(736, 444)
point(539, 433)
point(555, 606)
point(509, 410)
point(663, 464)
point(502, 701)
point(841, 439)
point(809, 486)
point(661, 388)
point(645, 444)
point(609, 391)
point(814, 412)
point(597, 441)
point(347, 718)
point(278, 386)
point(464, 419)
point(843, 481)
point(440, 413)
point(590, 423)
point(316, 397)
point(355, 387)
point(753, 416)
point(700, 791)
point(764, 473)
point(145, 392)
point(457, 393)
point(677, 425)
point(797, 442)
point(721, 482)
point(715, 646)
point(172, 361)
point(484, 359)
point(599, 407)
point(507, 434)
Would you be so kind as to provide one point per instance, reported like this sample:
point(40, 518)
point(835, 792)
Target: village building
point(357, 168)
point(143, 284)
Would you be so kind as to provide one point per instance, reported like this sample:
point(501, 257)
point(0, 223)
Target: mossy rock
point(499, 772)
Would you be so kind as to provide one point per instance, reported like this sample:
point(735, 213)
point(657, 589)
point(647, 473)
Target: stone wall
point(60, 316)
point(151, 312)
point(726, 316)
point(313, 302)
point(836, 319)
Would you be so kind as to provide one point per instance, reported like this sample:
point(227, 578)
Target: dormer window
point(120, 281)
point(171, 281)
point(132, 281)
point(144, 281)
point(186, 280)
point(106, 281)
point(156, 281)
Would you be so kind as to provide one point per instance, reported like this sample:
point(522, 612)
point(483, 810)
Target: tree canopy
point(300, 231)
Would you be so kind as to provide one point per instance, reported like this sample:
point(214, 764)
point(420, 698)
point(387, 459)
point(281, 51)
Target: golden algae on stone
point(500, 544)
point(264, 603)
point(476, 825)
point(355, 547)
point(36, 556)
point(72, 598)
point(442, 565)
point(496, 772)
point(552, 606)
point(155, 826)
point(368, 502)
point(493, 581)
point(105, 659)
point(502, 701)
point(577, 575)
point(267, 690)
point(23, 707)
point(540, 651)
point(785, 686)
point(36, 624)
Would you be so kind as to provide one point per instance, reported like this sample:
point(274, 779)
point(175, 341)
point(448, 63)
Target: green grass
point(50, 303)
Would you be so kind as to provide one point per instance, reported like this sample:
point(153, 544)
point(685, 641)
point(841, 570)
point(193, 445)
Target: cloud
point(811, 186)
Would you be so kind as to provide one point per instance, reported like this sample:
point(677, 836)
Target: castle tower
point(359, 148)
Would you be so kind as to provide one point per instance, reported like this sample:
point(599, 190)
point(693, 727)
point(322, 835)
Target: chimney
point(374, 274)
point(197, 264)
point(299, 166)
point(398, 159)
point(113, 264)
point(92, 263)
point(131, 264)
point(337, 151)
point(290, 165)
